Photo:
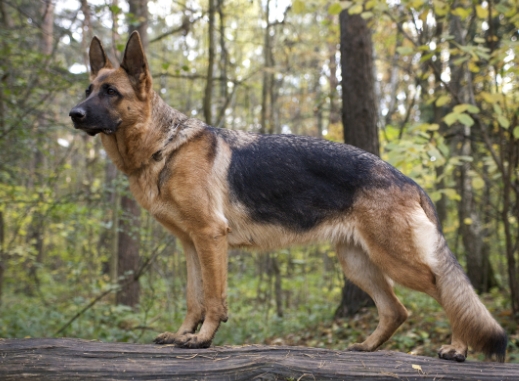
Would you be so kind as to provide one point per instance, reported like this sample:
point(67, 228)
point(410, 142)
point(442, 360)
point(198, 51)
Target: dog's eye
point(88, 91)
point(111, 91)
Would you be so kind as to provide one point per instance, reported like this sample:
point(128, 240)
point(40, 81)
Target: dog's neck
point(161, 131)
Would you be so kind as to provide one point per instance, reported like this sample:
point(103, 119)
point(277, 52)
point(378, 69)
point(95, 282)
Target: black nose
point(77, 113)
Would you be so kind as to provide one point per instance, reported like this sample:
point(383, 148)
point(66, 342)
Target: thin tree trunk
point(115, 28)
point(129, 225)
point(265, 90)
point(210, 65)
point(35, 234)
point(6, 19)
point(128, 252)
point(2, 255)
point(139, 9)
point(359, 117)
point(87, 31)
point(469, 220)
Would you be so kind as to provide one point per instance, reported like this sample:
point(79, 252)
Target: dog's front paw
point(165, 338)
point(359, 347)
point(192, 341)
point(450, 352)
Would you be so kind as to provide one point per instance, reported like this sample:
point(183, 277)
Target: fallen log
point(73, 359)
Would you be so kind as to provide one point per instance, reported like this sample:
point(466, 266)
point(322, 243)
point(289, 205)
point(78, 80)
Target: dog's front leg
point(194, 297)
point(211, 246)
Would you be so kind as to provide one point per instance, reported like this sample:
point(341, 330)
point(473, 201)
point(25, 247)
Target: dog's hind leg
point(364, 273)
point(195, 297)
point(407, 244)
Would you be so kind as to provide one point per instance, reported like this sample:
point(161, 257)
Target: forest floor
point(251, 321)
point(424, 332)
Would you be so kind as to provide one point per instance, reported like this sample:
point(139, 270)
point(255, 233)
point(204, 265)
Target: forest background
point(79, 258)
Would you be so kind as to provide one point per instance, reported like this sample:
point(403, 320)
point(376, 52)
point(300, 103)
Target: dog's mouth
point(92, 131)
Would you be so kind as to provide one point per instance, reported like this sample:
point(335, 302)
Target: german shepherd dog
point(215, 188)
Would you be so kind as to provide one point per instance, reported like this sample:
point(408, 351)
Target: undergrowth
point(307, 317)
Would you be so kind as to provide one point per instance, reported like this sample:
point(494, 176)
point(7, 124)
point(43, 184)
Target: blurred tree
point(359, 117)
point(129, 224)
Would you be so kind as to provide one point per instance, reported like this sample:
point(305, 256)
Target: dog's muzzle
point(79, 117)
point(77, 114)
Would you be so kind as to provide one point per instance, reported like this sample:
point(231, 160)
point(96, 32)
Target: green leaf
point(488, 97)
point(460, 108)
point(466, 107)
point(473, 109)
point(459, 61)
point(481, 12)
point(516, 132)
point(451, 194)
point(355, 10)
point(466, 120)
point(443, 100)
point(405, 50)
point(366, 15)
point(298, 6)
point(503, 121)
point(478, 183)
point(435, 196)
point(450, 118)
point(462, 12)
point(334, 9)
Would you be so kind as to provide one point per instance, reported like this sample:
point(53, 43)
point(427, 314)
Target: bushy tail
point(470, 319)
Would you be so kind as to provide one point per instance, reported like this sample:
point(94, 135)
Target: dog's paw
point(449, 352)
point(358, 347)
point(165, 338)
point(192, 341)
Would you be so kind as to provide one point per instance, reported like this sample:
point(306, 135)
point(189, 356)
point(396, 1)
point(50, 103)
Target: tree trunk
point(86, 30)
point(469, 220)
point(2, 255)
point(35, 232)
point(129, 225)
point(128, 252)
point(6, 19)
point(266, 83)
point(359, 117)
point(139, 9)
point(210, 65)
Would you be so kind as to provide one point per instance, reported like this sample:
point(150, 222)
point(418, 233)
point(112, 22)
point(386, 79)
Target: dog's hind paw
point(450, 352)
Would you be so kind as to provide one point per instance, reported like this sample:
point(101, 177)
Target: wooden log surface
point(73, 359)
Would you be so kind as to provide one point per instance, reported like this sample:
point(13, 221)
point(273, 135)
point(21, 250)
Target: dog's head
point(116, 98)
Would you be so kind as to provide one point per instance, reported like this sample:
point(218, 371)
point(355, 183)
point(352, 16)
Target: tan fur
point(177, 170)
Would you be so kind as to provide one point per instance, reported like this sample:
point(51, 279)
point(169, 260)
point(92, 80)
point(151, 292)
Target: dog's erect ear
point(98, 58)
point(136, 65)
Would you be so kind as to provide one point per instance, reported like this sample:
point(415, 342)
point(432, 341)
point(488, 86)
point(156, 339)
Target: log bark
point(71, 359)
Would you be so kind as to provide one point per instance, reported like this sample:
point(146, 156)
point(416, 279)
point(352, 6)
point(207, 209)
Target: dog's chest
point(144, 188)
